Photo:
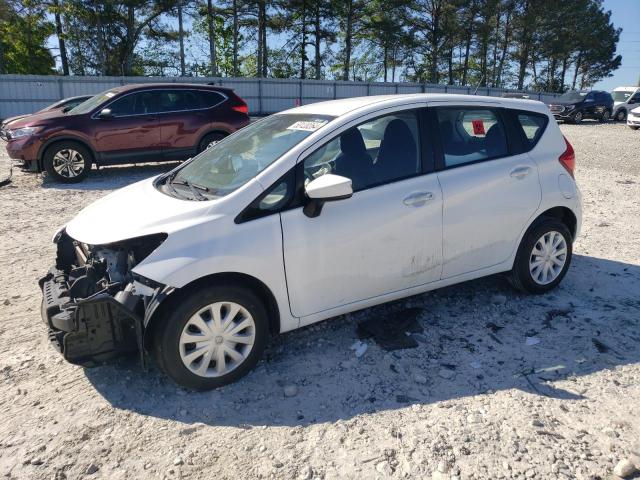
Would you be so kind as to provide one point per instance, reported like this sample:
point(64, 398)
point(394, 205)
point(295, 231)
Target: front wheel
point(543, 257)
point(633, 128)
point(605, 116)
point(621, 116)
point(212, 338)
point(577, 117)
point(67, 162)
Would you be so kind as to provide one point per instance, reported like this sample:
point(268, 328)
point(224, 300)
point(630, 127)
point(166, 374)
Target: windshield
point(622, 95)
point(88, 105)
point(232, 162)
point(572, 96)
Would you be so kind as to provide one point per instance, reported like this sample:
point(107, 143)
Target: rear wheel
point(67, 162)
point(543, 257)
point(210, 140)
point(213, 337)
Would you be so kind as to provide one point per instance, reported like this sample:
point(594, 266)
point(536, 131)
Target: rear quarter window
point(532, 126)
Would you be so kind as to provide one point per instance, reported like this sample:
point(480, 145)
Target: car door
point(488, 193)
point(385, 238)
point(131, 131)
point(185, 117)
point(590, 105)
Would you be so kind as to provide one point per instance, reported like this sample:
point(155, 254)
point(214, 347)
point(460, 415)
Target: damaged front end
point(93, 304)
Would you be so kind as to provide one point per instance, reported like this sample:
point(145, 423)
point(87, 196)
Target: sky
point(625, 14)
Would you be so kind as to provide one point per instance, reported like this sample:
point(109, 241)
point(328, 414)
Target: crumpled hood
point(134, 211)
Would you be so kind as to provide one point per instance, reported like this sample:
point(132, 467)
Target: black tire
point(621, 116)
point(166, 342)
point(577, 117)
point(71, 172)
point(606, 115)
point(210, 138)
point(521, 277)
point(633, 128)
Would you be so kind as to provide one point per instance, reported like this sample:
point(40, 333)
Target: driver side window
point(373, 153)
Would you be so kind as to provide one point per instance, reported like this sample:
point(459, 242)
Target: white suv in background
point(633, 119)
point(625, 99)
point(311, 213)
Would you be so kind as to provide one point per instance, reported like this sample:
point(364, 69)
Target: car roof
point(617, 89)
point(374, 102)
point(153, 86)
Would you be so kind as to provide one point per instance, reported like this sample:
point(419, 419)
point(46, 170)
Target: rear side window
point(470, 135)
point(210, 99)
point(533, 125)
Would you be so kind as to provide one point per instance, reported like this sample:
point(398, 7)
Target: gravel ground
point(474, 400)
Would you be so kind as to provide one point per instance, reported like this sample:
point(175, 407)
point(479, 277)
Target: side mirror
point(105, 113)
point(327, 188)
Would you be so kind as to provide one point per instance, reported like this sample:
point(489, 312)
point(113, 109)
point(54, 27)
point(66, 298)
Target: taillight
point(568, 158)
point(242, 108)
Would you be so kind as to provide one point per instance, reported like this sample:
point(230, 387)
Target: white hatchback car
point(308, 214)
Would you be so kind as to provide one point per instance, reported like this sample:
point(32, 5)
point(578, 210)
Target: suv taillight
point(242, 108)
point(568, 158)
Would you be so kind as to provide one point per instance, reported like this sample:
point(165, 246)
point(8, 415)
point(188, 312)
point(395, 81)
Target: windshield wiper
point(195, 189)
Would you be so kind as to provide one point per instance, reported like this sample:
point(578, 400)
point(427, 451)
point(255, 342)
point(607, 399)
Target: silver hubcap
point(211, 144)
point(68, 163)
point(548, 258)
point(217, 339)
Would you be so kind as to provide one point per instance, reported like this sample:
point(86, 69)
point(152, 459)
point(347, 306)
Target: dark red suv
point(129, 124)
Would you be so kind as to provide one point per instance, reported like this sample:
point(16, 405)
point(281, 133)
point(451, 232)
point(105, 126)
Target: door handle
point(417, 199)
point(520, 172)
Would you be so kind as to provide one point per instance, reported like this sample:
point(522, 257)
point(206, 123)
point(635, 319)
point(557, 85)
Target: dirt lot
point(473, 401)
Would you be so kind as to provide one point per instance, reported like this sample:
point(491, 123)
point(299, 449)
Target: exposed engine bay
point(93, 303)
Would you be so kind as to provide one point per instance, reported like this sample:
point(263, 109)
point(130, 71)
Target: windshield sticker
point(478, 127)
point(307, 126)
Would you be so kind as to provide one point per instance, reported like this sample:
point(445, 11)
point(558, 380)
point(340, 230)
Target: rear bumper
point(91, 331)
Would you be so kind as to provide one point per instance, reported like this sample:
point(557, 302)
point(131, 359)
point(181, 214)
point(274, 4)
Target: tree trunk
point(494, 67)
point(102, 67)
point(575, 72)
point(505, 46)
point(259, 54)
point(265, 52)
point(181, 39)
point(565, 64)
point(212, 39)
point(63, 48)
point(303, 44)
point(385, 65)
point(450, 60)
point(348, 40)
point(127, 68)
point(467, 49)
point(318, 58)
point(235, 38)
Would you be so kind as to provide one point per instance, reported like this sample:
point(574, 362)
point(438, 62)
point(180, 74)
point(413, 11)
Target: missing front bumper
point(91, 331)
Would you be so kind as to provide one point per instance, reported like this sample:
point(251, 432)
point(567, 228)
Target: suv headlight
point(23, 132)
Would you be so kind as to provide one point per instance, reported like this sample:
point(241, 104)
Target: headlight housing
point(22, 132)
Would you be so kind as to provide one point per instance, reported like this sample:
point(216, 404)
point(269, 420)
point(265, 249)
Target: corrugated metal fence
point(28, 93)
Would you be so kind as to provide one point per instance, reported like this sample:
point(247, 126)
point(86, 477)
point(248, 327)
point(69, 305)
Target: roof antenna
point(478, 86)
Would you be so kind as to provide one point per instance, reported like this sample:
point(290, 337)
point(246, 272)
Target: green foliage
point(23, 35)
point(549, 45)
